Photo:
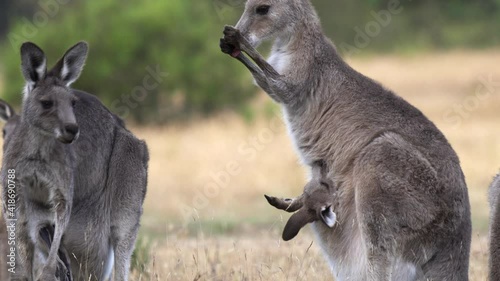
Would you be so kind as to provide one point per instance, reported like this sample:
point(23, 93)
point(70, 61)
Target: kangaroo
point(63, 272)
point(109, 167)
point(11, 119)
point(43, 161)
point(402, 210)
point(6, 113)
point(494, 197)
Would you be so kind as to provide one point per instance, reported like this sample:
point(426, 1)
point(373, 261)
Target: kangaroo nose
point(71, 129)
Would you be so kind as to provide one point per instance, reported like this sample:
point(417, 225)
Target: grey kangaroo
point(401, 202)
point(11, 119)
point(44, 164)
point(109, 166)
point(7, 115)
point(63, 271)
point(494, 198)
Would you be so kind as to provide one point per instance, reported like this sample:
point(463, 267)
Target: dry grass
point(261, 256)
point(234, 234)
point(238, 234)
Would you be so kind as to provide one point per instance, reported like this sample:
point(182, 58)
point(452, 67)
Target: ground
point(205, 215)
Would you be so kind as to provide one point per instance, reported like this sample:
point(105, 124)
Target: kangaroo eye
point(262, 10)
point(73, 103)
point(47, 104)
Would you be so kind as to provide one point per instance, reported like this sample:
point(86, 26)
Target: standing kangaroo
point(39, 164)
point(109, 167)
point(401, 202)
point(7, 115)
point(63, 272)
point(494, 198)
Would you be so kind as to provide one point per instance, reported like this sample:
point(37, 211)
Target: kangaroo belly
point(343, 245)
point(344, 250)
point(347, 256)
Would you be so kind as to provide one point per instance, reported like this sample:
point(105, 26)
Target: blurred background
point(218, 144)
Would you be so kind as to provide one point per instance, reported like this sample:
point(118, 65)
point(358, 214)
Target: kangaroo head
point(268, 19)
point(48, 104)
point(11, 119)
point(317, 206)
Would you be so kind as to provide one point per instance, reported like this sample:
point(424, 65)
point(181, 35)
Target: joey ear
point(70, 66)
point(33, 63)
point(296, 222)
point(328, 216)
point(6, 111)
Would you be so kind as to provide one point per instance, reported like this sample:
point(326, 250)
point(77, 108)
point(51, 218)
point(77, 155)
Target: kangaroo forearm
point(268, 70)
point(283, 90)
point(256, 72)
point(264, 74)
point(249, 64)
point(275, 89)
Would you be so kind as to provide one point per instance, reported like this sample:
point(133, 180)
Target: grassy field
point(205, 216)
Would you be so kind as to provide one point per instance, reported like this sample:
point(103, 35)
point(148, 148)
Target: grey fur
point(109, 173)
point(11, 119)
point(63, 271)
point(494, 196)
point(402, 204)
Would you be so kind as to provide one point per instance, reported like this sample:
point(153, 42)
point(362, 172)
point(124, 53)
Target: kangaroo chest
point(280, 60)
point(311, 142)
point(45, 181)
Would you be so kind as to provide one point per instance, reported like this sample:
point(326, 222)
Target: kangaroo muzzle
point(69, 133)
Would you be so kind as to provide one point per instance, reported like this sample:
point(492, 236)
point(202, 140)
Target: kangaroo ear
point(70, 66)
point(328, 216)
point(33, 63)
point(296, 222)
point(6, 111)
